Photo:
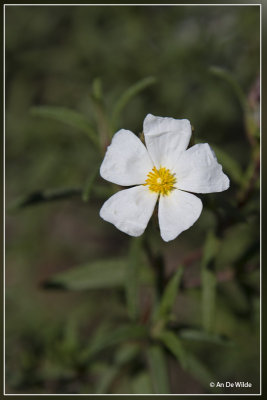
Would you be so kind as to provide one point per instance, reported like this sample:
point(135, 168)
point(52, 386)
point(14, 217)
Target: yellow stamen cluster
point(160, 181)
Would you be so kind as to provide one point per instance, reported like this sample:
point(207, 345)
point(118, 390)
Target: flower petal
point(130, 209)
point(177, 212)
point(166, 138)
point(126, 161)
point(197, 170)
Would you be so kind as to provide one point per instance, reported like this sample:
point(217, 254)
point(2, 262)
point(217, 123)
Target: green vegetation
point(88, 308)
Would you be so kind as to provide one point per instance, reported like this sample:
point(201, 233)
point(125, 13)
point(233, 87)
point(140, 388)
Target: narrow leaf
point(169, 296)
point(188, 361)
point(210, 249)
point(245, 237)
point(208, 299)
point(47, 195)
point(174, 345)
point(132, 277)
point(69, 117)
point(232, 82)
point(38, 197)
point(114, 336)
point(200, 371)
point(202, 336)
point(209, 282)
point(230, 165)
point(131, 92)
point(98, 274)
point(141, 383)
point(158, 369)
point(124, 355)
point(89, 184)
point(97, 89)
point(235, 295)
point(106, 379)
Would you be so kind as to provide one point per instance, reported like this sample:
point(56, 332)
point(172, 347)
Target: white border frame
point(93, 394)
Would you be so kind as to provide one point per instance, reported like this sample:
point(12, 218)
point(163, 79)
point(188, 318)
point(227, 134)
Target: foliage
point(89, 310)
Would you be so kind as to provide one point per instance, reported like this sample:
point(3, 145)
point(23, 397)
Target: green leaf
point(230, 165)
point(208, 299)
point(47, 195)
point(240, 240)
point(174, 345)
point(141, 383)
point(69, 117)
point(235, 296)
point(211, 248)
point(106, 273)
point(202, 336)
point(209, 281)
point(106, 379)
point(97, 89)
point(158, 369)
point(164, 309)
point(89, 184)
point(131, 92)
point(187, 360)
point(97, 274)
point(99, 191)
point(251, 124)
point(232, 82)
point(113, 336)
point(132, 275)
point(38, 197)
point(124, 355)
point(200, 371)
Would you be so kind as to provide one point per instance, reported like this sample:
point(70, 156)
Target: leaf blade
point(128, 95)
point(132, 275)
point(158, 369)
point(209, 282)
point(229, 164)
point(98, 274)
point(164, 309)
point(174, 345)
point(69, 117)
point(111, 337)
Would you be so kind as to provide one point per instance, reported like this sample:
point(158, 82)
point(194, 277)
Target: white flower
point(163, 169)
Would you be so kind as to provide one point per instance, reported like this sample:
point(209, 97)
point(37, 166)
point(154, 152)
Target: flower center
point(160, 181)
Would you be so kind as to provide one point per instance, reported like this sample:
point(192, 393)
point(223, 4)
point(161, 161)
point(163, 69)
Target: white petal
point(126, 161)
point(166, 138)
point(197, 170)
point(177, 212)
point(130, 209)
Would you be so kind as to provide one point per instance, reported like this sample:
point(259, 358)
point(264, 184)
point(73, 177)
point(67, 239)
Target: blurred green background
point(205, 61)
